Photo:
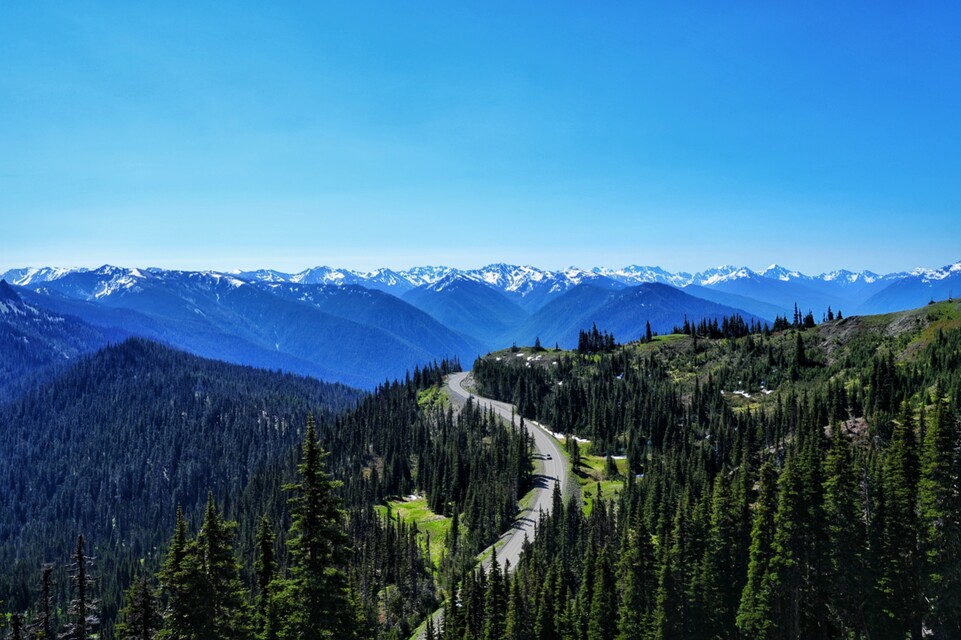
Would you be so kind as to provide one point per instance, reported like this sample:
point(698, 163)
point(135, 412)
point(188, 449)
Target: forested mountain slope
point(114, 444)
point(344, 334)
point(35, 342)
point(795, 484)
point(111, 447)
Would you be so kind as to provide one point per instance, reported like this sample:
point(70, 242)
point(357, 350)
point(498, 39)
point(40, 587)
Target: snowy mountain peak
point(935, 275)
point(844, 276)
point(724, 273)
point(509, 277)
point(636, 274)
point(777, 272)
point(32, 275)
point(452, 279)
point(418, 276)
point(262, 275)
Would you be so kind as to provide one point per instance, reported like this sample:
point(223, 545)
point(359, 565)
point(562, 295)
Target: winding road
point(551, 470)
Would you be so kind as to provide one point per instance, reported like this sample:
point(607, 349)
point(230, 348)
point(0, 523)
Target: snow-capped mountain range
point(363, 327)
point(520, 280)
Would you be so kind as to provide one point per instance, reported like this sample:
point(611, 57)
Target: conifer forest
point(729, 480)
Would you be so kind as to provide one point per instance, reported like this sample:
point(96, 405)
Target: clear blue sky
point(222, 135)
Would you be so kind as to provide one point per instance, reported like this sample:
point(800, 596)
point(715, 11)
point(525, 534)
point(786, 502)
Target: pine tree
point(940, 520)
point(519, 625)
point(602, 624)
point(41, 627)
point(638, 585)
point(82, 612)
point(201, 579)
point(545, 627)
point(265, 569)
point(754, 617)
point(720, 584)
point(670, 614)
point(782, 587)
point(226, 598)
point(314, 602)
point(140, 617)
point(846, 541)
point(495, 602)
point(898, 579)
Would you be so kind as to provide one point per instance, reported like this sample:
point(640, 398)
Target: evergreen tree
point(16, 627)
point(846, 543)
point(602, 624)
point(783, 581)
point(313, 603)
point(718, 579)
point(41, 627)
point(519, 625)
point(265, 569)
point(940, 520)
point(82, 612)
point(201, 578)
point(140, 617)
point(226, 599)
point(495, 602)
point(898, 573)
point(754, 617)
point(638, 582)
point(672, 607)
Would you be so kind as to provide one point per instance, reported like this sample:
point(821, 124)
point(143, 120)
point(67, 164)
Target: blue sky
point(223, 135)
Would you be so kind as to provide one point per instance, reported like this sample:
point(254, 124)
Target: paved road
point(552, 470)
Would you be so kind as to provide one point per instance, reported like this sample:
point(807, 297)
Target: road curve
point(551, 470)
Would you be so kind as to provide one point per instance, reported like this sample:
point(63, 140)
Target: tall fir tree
point(846, 541)
point(41, 627)
point(140, 617)
point(939, 509)
point(265, 569)
point(720, 584)
point(495, 601)
point(314, 602)
point(602, 623)
point(898, 579)
point(201, 579)
point(754, 616)
point(82, 612)
point(226, 600)
point(638, 582)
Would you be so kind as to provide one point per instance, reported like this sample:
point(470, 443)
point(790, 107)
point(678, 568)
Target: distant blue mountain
point(916, 290)
point(223, 317)
point(623, 312)
point(466, 305)
point(35, 342)
point(755, 307)
point(362, 327)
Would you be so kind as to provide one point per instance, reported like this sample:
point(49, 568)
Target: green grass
point(593, 472)
point(428, 523)
point(608, 490)
point(434, 396)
